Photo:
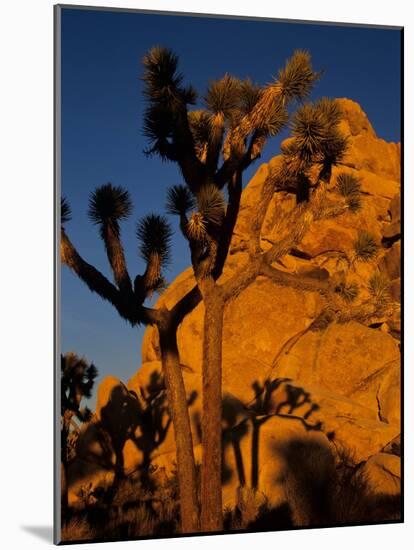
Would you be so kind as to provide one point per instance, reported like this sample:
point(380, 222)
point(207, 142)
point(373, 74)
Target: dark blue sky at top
point(102, 140)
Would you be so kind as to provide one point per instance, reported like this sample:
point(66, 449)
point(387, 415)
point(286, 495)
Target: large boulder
point(342, 358)
point(367, 151)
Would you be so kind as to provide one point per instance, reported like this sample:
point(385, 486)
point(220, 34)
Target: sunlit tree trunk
point(177, 401)
point(211, 492)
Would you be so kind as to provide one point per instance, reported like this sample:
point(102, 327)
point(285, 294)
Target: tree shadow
point(145, 420)
point(295, 398)
point(120, 418)
point(155, 422)
point(292, 402)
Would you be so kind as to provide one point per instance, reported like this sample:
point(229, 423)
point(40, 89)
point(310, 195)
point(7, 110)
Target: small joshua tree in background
point(77, 380)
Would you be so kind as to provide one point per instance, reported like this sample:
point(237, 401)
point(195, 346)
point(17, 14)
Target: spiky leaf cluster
point(354, 203)
point(379, 288)
point(297, 76)
point(330, 110)
point(158, 129)
point(348, 291)
point(109, 204)
point(162, 81)
point(154, 233)
point(250, 94)
point(200, 127)
point(179, 200)
point(65, 211)
point(197, 227)
point(77, 380)
point(223, 96)
point(275, 122)
point(167, 100)
point(310, 132)
point(233, 98)
point(334, 147)
point(365, 246)
point(316, 135)
point(211, 204)
point(349, 187)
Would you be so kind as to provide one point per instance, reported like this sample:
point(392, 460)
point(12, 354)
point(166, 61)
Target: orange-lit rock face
point(336, 387)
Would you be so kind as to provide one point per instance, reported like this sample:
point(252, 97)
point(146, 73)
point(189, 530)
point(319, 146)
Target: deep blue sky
point(102, 110)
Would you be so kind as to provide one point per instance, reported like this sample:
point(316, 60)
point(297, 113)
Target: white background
point(26, 286)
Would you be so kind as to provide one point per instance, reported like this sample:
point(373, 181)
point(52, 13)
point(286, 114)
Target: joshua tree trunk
point(211, 495)
point(177, 401)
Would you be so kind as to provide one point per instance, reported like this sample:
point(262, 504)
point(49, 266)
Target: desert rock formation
point(289, 389)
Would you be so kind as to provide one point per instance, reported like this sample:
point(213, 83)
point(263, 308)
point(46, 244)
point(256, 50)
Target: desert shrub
point(348, 185)
point(77, 529)
point(365, 246)
point(354, 500)
point(349, 292)
point(125, 509)
point(248, 507)
point(354, 203)
point(379, 287)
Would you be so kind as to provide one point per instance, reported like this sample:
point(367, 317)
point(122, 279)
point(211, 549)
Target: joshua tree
point(109, 205)
point(213, 146)
point(77, 380)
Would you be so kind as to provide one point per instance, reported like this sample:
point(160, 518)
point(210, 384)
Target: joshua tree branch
point(193, 169)
point(233, 206)
point(93, 278)
point(283, 247)
point(127, 306)
point(116, 257)
point(266, 195)
point(184, 306)
point(241, 280)
point(254, 150)
point(299, 282)
point(216, 140)
point(226, 170)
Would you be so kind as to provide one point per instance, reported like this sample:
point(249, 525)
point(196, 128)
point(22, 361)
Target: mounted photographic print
point(228, 267)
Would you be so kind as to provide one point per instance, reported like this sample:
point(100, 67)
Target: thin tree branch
point(194, 171)
point(229, 222)
point(127, 305)
point(241, 280)
point(293, 280)
point(184, 306)
point(116, 257)
point(214, 146)
point(93, 278)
